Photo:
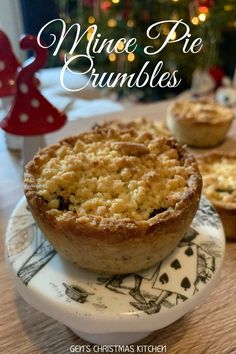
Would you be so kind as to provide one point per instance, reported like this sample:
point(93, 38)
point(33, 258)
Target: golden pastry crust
point(130, 228)
point(199, 123)
point(218, 170)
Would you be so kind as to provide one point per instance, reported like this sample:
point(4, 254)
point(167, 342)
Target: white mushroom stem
point(31, 145)
point(13, 142)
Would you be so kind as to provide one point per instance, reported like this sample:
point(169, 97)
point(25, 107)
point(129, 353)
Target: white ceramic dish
point(119, 309)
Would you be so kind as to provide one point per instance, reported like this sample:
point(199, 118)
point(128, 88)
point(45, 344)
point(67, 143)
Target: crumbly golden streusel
point(202, 111)
point(114, 174)
point(141, 125)
point(219, 179)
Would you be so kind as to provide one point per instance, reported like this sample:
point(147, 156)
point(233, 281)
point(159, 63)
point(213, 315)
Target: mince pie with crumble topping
point(199, 123)
point(113, 201)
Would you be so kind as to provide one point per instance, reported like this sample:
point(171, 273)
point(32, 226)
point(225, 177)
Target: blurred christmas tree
point(209, 19)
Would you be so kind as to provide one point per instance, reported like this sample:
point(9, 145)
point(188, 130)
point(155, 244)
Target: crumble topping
point(202, 111)
point(141, 125)
point(219, 178)
point(116, 174)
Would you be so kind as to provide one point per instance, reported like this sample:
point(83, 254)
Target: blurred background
point(212, 20)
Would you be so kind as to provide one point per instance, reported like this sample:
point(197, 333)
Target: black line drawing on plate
point(206, 215)
point(40, 257)
point(169, 281)
point(175, 279)
point(22, 237)
point(27, 234)
point(76, 293)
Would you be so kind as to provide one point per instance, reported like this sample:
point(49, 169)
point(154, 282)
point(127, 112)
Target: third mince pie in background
point(199, 123)
point(114, 201)
point(218, 170)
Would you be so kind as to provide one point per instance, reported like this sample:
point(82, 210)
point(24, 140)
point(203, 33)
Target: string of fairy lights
point(199, 11)
point(112, 23)
point(198, 15)
point(130, 19)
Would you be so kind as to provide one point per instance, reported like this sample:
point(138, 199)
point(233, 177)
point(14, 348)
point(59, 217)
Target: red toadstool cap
point(31, 114)
point(8, 67)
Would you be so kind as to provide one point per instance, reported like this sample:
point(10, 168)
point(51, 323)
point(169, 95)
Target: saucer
point(120, 309)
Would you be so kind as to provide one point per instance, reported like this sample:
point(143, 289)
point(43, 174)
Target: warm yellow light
point(195, 21)
point(91, 20)
point(115, 1)
point(165, 29)
point(175, 0)
point(89, 34)
point(130, 23)
point(232, 24)
point(228, 7)
point(131, 57)
point(120, 46)
point(111, 22)
point(112, 57)
point(173, 36)
point(202, 17)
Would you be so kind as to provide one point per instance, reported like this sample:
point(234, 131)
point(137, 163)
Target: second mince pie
point(112, 201)
point(199, 123)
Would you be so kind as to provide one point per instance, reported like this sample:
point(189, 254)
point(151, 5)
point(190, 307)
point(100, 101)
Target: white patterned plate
point(120, 309)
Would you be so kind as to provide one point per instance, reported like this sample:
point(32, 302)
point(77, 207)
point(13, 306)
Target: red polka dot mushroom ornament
point(31, 115)
point(8, 67)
